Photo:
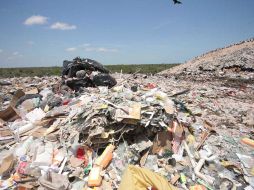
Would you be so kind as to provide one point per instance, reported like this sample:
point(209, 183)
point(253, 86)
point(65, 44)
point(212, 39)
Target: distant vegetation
point(147, 68)
point(29, 71)
point(49, 71)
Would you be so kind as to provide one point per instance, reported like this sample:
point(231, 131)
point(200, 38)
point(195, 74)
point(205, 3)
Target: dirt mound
point(234, 59)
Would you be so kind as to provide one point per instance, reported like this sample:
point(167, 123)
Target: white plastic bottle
point(23, 148)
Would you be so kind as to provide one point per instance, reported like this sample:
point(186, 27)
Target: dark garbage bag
point(53, 101)
point(103, 79)
point(86, 73)
point(70, 68)
point(75, 84)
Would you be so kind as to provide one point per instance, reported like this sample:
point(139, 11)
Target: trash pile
point(234, 61)
point(136, 134)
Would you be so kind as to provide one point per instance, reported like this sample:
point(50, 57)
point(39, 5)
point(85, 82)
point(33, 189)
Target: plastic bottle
point(107, 155)
point(248, 141)
point(128, 94)
point(24, 129)
point(22, 150)
point(107, 160)
point(168, 104)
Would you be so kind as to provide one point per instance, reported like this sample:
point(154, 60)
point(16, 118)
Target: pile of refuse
point(234, 61)
point(130, 135)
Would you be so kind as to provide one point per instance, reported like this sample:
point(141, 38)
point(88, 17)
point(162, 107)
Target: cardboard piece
point(178, 135)
point(36, 115)
point(75, 162)
point(5, 132)
point(18, 94)
point(142, 143)
point(133, 116)
point(7, 164)
point(32, 91)
point(10, 113)
point(2, 123)
point(162, 142)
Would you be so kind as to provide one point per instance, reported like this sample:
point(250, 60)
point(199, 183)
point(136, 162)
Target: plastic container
point(22, 149)
point(80, 153)
point(248, 141)
point(107, 160)
point(44, 156)
point(95, 178)
point(198, 187)
point(24, 129)
point(107, 155)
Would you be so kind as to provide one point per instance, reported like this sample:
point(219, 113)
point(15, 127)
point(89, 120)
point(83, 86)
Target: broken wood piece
point(206, 134)
point(53, 127)
point(192, 159)
point(180, 93)
point(209, 126)
point(143, 158)
point(203, 139)
point(115, 106)
point(175, 179)
point(208, 157)
point(62, 166)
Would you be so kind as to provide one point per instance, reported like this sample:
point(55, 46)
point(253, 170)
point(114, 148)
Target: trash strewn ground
point(234, 61)
point(145, 132)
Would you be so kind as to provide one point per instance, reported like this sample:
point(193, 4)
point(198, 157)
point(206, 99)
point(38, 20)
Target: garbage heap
point(131, 136)
point(86, 73)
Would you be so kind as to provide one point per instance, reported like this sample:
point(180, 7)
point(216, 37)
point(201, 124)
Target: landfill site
point(190, 127)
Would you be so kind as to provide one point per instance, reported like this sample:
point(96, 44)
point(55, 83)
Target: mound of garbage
point(235, 60)
point(144, 132)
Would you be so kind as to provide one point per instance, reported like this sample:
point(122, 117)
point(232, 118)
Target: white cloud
point(36, 19)
point(15, 53)
point(10, 58)
point(100, 49)
point(85, 45)
point(1, 50)
point(71, 49)
point(63, 26)
point(89, 48)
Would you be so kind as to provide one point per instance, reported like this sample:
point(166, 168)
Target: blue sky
point(44, 33)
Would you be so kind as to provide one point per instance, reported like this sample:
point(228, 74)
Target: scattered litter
point(91, 129)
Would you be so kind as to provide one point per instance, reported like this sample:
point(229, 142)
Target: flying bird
point(177, 2)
